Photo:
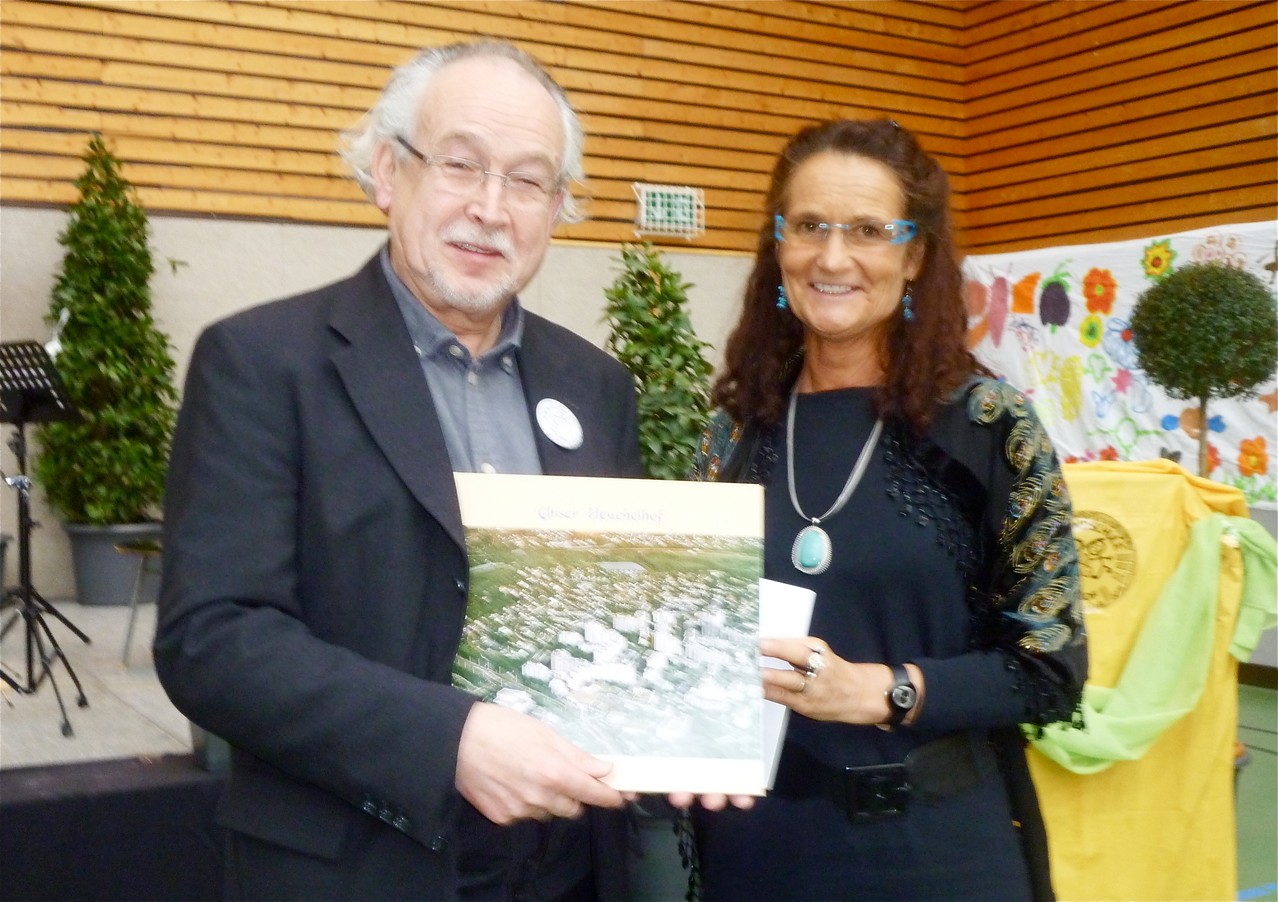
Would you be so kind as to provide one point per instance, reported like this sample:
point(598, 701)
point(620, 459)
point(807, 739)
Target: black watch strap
point(903, 695)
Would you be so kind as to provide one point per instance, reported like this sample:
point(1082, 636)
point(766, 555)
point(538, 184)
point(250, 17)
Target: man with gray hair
point(315, 575)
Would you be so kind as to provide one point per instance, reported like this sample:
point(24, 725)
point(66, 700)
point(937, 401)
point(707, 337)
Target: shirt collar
point(431, 337)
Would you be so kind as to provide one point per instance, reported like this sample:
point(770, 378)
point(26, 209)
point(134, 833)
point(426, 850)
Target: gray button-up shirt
point(479, 400)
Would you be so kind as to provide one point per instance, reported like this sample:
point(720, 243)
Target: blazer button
point(402, 824)
point(370, 807)
point(461, 586)
point(438, 844)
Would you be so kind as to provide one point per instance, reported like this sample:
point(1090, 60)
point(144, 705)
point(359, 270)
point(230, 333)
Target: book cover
point(625, 614)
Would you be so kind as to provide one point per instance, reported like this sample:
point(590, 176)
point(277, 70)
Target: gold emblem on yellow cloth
point(1106, 557)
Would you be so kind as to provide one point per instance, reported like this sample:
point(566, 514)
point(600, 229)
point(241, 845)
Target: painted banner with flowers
point(1056, 324)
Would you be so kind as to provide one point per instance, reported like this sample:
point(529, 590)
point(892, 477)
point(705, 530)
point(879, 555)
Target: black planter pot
point(103, 574)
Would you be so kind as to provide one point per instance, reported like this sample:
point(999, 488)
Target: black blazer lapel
point(547, 374)
point(383, 376)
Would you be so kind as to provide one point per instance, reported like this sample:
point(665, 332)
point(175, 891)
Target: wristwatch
point(903, 695)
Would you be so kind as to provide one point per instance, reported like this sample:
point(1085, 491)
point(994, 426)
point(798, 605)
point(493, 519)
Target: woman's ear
point(914, 254)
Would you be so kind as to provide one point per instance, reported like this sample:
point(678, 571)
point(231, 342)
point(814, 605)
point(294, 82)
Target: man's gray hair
point(396, 112)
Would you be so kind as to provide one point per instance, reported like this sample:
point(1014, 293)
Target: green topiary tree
point(108, 465)
point(653, 337)
point(1207, 330)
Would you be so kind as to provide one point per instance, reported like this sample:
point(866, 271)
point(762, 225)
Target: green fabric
point(1259, 609)
point(1167, 668)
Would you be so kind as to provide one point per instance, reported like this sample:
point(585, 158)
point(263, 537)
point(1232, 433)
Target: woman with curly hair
point(922, 501)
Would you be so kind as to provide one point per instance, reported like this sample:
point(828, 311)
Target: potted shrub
point(1206, 330)
point(653, 337)
point(651, 334)
point(104, 471)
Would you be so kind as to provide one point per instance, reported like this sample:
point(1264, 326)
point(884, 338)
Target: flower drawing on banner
point(1253, 459)
point(977, 297)
point(1224, 249)
point(1109, 453)
point(1270, 401)
point(1127, 432)
point(1100, 288)
point(1053, 300)
point(996, 310)
point(1071, 382)
point(1191, 420)
point(1060, 379)
point(1091, 331)
point(1126, 391)
point(1158, 259)
point(1102, 403)
point(1213, 457)
point(1026, 335)
point(1097, 367)
point(1118, 343)
point(1023, 293)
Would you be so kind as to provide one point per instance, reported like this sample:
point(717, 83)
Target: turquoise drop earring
point(782, 300)
point(906, 300)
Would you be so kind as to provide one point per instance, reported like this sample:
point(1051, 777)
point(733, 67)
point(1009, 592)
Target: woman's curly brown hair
point(925, 358)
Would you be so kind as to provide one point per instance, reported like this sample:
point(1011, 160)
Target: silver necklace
point(812, 550)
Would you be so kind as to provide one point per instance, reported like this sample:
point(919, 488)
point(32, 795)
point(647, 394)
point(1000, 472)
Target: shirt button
point(472, 377)
point(486, 467)
point(456, 350)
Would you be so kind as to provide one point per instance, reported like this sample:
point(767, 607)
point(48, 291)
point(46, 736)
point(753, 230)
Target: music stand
point(32, 392)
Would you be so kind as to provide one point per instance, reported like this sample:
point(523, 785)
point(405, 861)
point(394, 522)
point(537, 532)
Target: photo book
point(625, 613)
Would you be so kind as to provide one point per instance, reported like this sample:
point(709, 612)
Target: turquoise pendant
point(812, 550)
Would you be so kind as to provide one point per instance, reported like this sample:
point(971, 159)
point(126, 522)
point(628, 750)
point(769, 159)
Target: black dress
point(895, 591)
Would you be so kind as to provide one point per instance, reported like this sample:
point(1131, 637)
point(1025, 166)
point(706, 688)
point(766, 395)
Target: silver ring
point(816, 662)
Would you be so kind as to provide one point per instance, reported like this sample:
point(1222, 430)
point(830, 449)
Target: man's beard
point(474, 301)
point(485, 299)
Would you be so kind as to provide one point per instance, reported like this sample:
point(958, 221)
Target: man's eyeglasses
point(862, 233)
point(463, 175)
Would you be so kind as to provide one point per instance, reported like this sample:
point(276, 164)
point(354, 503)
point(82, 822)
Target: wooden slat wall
point(1098, 121)
point(233, 108)
point(1060, 122)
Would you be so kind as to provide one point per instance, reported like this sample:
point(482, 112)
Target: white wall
point(230, 265)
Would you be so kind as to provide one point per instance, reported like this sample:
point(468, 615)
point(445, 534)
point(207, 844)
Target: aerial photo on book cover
point(625, 614)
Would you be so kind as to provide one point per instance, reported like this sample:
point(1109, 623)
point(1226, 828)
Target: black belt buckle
point(876, 791)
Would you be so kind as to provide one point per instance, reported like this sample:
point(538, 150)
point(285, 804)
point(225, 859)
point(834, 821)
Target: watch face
point(904, 696)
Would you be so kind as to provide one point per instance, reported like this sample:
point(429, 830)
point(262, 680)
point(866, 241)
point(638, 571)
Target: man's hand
point(511, 767)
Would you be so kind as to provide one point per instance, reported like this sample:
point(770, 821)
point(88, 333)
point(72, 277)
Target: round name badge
point(559, 423)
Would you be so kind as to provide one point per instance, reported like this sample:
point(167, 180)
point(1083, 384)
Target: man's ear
point(383, 172)
point(555, 207)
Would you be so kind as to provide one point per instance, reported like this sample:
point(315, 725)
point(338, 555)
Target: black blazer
point(315, 576)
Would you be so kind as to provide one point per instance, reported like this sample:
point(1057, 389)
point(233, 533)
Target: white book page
point(785, 612)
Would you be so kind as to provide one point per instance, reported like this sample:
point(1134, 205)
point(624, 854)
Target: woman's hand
point(824, 686)
point(713, 801)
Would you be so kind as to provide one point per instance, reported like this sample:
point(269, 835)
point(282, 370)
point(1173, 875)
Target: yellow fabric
point(1161, 827)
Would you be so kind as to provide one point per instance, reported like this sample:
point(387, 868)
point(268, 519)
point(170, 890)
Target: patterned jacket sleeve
point(1032, 599)
point(718, 441)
